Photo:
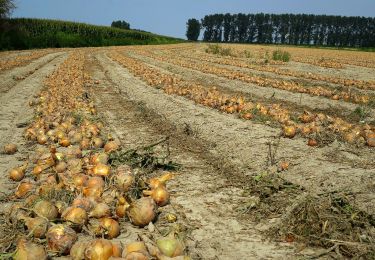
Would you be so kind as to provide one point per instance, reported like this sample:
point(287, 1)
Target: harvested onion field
point(219, 157)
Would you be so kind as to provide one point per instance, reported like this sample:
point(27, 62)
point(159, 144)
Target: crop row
point(307, 124)
point(21, 60)
point(77, 183)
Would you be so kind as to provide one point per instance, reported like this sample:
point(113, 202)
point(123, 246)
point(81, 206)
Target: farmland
point(259, 158)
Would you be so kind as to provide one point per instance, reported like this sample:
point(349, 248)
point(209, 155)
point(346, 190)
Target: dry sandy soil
point(230, 195)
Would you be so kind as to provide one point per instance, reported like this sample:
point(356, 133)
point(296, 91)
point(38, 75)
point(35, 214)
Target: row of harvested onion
point(68, 188)
point(309, 125)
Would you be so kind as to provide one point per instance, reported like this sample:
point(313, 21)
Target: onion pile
point(68, 186)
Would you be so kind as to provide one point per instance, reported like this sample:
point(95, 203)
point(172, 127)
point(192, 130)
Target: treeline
point(27, 33)
point(296, 29)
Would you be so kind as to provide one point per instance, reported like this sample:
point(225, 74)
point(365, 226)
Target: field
point(267, 159)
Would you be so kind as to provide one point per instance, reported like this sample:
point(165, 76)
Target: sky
point(169, 17)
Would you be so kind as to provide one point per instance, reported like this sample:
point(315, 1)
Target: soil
point(214, 194)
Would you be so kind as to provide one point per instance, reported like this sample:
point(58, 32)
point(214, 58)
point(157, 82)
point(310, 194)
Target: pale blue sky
point(169, 17)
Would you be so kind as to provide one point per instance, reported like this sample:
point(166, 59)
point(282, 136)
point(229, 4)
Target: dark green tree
point(193, 29)
point(120, 24)
point(6, 8)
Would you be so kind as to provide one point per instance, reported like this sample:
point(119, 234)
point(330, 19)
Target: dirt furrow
point(10, 78)
point(297, 101)
point(205, 198)
point(15, 115)
point(245, 143)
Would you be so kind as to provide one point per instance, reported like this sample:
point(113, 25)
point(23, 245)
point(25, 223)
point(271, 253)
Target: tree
point(193, 29)
point(6, 8)
point(120, 24)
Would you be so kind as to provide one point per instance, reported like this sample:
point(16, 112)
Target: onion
point(61, 167)
point(99, 158)
point(124, 178)
point(142, 211)
point(85, 144)
point(94, 187)
point(160, 181)
point(42, 139)
point(61, 206)
point(10, 149)
point(77, 252)
point(116, 247)
point(97, 142)
point(28, 250)
point(17, 174)
point(111, 146)
point(84, 203)
point(171, 218)
point(99, 249)
point(370, 139)
point(80, 180)
point(312, 142)
point(133, 247)
point(46, 209)
point(289, 131)
point(100, 210)
point(160, 195)
point(136, 256)
point(75, 165)
point(170, 247)
point(37, 170)
point(37, 226)
point(73, 152)
point(75, 215)
point(101, 170)
point(60, 238)
point(24, 188)
point(111, 227)
point(121, 210)
point(64, 142)
point(17, 214)
point(76, 138)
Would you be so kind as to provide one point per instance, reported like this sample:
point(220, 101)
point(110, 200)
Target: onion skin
point(84, 203)
point(46, 209)
point(38, 226)
point(138, 247)
point(111, 146)
point(10, 149)
point(17, 174)
point(142, 211)
point(170, 247)
point(77, 252)
point(111, 227)
point(75, 215)
point(29, 251)
point(99, 249)
point(24, 188)
point(160, 195)
point(61, 238)
point(101, 170)
point(60, 167)
point(100, 210)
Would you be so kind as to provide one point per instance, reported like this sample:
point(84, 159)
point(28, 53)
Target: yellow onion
point(312, 142)
point(121, 210)
point(61, 206)
point(117, 250)
point(99, 249)
point(24, 188)
point(18, 173)
point(171, 218)
point(97, 142)
point(61, 238)
point(85, 144)
point(46, 209)
point(73, 152)
point(76, 138)
point(80, 180)
point(42, 139)
point(100, 210)
point(10, 149)
point(99, 158)
point(142, 211)
point(135, 247)
point(16, 213)
point(94, 187)
point(370, 139)
point(61, 167)
point(289, 131)
point(111, 146)
point(64, 142)
point(75, 165)
point(124, 178)
point(160, 195)
point(160, 181)
point(84, 203)
point(111, 227)
point(77, 252)
point(75, 215)
point(170, 247)
point(37, 226)
point(29, 251)
point(101, 170)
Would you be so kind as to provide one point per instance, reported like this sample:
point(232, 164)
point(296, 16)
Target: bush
point(281, 55)
point(217, 49)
